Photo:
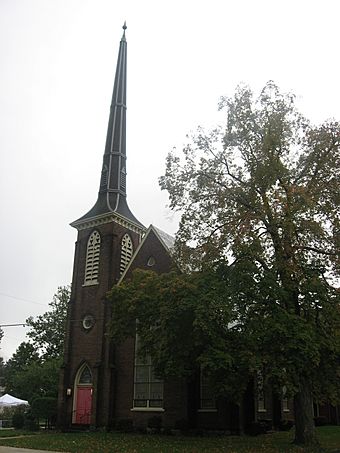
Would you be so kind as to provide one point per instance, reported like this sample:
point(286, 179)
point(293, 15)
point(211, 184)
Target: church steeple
point(112, 190)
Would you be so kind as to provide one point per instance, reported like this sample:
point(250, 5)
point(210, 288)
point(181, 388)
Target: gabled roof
point(164, 239)
point(168, 241)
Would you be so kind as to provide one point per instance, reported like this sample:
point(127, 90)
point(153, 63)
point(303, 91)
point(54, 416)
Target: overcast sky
point(58, 61)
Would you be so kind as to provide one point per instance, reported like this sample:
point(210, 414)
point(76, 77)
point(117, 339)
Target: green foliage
point(39, 360)
point(48, 330)
point(13, 415)
point(42, 377)
point(263, 195)
point(31, 422)
point(260, 222)
point(45, 408)
point(18, 420)
point(183, 322)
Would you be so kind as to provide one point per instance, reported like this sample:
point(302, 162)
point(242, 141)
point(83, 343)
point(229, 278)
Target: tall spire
point(112, 190)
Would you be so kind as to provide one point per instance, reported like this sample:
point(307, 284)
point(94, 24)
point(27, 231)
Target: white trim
point(207, 410)
point(126, 252)
point(147, 409)
point(151, 228)
point(107, 218)
point(92, 258)
point(92, 283)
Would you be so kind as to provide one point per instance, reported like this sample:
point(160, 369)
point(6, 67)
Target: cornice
point(107, 218)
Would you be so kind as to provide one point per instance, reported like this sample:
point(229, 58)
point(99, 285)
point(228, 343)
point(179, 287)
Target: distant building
point(102, 384)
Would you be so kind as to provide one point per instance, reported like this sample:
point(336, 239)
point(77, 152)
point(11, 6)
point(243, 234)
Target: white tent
point(10, 401)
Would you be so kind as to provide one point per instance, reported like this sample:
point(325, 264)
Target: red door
point(84, 405)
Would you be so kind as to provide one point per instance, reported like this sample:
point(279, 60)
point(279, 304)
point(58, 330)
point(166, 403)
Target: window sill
point(207, 410)
point(147, 409)
point(262, 410)
point(286, 410)
point(91, 283)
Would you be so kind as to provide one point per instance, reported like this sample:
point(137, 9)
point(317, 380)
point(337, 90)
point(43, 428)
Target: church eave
point(91, 222)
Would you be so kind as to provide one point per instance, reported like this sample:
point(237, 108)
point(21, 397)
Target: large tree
point(186, 321)
point(263, 194)
point(259, 246)
point(38, 360)
point(47, 331)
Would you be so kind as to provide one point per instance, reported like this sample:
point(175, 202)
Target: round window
point(88, 322)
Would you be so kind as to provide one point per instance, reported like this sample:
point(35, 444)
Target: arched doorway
point(83, 396)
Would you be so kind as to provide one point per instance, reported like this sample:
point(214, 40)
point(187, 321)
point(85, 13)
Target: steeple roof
point(112, 196)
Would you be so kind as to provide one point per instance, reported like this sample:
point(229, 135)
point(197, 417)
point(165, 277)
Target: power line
point(12, 325)
point(21, 298)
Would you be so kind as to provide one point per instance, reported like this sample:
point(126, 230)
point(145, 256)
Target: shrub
point(45, 408)
point(18, 420)
point(31, 423)
point(8, 412)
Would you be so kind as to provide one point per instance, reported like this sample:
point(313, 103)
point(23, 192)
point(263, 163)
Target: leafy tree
point(260, 218)
point(25, 354)
point(38, 361)
point(48, 330)
point(46, 408)
point(2, 372)
point(263, 193)
point(186, 321)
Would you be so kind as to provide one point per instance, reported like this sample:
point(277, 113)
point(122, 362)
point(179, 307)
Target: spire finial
point(124, 28)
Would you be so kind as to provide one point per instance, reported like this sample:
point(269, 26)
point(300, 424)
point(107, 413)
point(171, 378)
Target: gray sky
point(58, 60)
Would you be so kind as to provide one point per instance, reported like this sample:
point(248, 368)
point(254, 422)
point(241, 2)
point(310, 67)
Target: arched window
point(92, 259)
point(85, 376)
point(125, 252)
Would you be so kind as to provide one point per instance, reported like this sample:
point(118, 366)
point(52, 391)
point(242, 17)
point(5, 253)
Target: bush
point(31, 423)
point(18, 420)
point(8, 413)
point(45, 408)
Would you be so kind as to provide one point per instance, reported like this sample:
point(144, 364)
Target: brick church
point(102, 384)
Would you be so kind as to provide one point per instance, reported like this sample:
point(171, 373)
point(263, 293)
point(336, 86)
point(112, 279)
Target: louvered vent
point(92, 259)
point(123, 180)
point(104, 178)
point(126, 252)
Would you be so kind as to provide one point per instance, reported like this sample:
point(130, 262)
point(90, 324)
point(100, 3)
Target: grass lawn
point(10, 432)
point(100, 442)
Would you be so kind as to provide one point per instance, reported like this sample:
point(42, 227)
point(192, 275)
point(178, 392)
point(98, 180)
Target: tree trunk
point(305, 433)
